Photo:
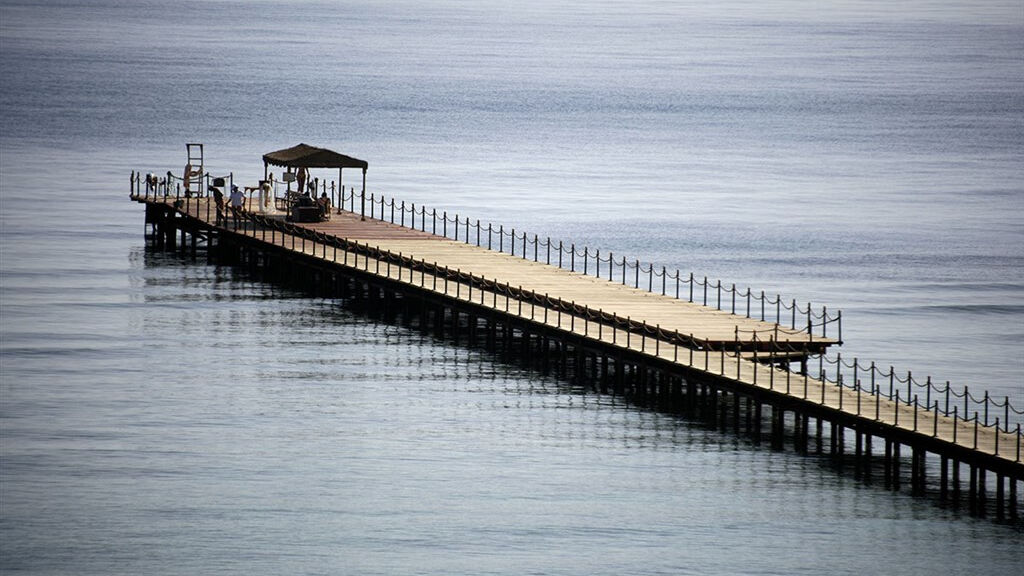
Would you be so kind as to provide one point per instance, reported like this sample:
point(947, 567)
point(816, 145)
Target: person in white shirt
point(237, 198)
point(237, 203)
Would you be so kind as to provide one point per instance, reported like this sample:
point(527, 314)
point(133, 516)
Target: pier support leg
point(169, 236)
point(887, 465)
point(796, 431)
point(867, 458)
point(858, 452)
point(982, 496)
point(972, 496)
point(818, 429)
point(712, 414)
point(489, 337)
point(919, 471)
point(943, 478)
point(778, 427)
point(506, 338)
point(955, 488)
point(840, 445)
point(639, 382)
point(805, 422)
point(579, 367)
point(735, 412)
point(1013, 498)
point(212, 244)
point(664, 389)
point(723, 412)
point(604, 374)
point(757, 421)
point(1000, 495)
point(678, 400)
point(563, 359)
point(896, 466)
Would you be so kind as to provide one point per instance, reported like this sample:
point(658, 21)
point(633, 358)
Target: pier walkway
point(644, 341)
point(705, 326)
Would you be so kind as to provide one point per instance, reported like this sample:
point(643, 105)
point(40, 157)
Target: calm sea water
point(161, 416)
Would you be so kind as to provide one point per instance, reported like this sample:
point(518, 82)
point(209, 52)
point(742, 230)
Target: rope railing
point(587, 261)
point(939, 399)
point(656, 336)
point(634, 273)
point(169, 184)
point(932, 396)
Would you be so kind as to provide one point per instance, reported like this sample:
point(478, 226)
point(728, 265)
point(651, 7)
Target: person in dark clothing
point(218, 198)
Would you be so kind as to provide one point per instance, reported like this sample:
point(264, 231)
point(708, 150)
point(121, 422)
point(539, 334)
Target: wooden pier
point(671, 345)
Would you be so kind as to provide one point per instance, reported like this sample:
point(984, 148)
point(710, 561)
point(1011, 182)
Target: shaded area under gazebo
point(306, 156)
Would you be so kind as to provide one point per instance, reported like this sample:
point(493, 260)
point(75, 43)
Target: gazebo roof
point(306, 156)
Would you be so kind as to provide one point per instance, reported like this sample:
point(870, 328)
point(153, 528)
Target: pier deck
point(691, 343)
point(704, 324)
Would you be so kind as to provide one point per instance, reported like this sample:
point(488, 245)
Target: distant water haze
point(162, 416)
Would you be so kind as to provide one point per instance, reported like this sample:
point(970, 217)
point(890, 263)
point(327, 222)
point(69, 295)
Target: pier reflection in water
point(291, 254)
point(341, 439)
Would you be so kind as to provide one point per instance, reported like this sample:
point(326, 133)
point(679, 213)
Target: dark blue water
point(161, 416)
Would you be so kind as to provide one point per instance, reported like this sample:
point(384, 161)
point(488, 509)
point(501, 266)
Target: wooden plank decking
point(874, 411)
point(705, 324)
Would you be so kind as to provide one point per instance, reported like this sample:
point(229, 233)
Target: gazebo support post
point(341, 190)
point(362, 213)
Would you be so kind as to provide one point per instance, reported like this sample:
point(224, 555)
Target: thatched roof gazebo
point(306, 156)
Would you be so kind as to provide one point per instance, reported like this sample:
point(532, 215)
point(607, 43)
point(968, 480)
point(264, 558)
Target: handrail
point(689, 343)
point(628, 272)
point(854, 374)
point(674, 338)
point(625, 271)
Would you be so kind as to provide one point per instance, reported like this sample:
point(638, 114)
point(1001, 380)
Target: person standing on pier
point(187, 177)
point(237, 203)
point(301, 175)
point(218, 198)
point(266, 198)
